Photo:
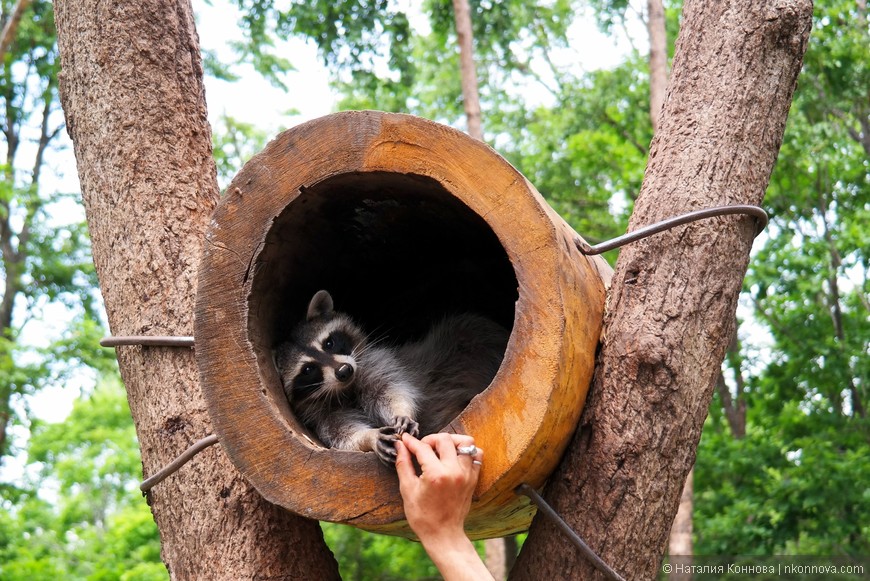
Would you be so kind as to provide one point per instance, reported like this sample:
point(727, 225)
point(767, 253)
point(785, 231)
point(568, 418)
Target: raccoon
point(355, 394)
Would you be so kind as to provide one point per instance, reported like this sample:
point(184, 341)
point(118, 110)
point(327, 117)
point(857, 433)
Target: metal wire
point(196, 447)
point(150, 341)
point(185, 456)
point(523, 489)
point(759, 214)
point(542, 505)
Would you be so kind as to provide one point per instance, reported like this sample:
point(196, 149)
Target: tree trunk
point(496, 558)
point(470, 95)
point(10, 27)
point(671, 308)
point(681, 531)
point(680, 540)
point(734, 406)
point(658, 59)
point(131, 87)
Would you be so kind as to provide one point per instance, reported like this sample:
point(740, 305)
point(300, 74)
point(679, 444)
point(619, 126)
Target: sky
point(252, 99)
point(255, 101)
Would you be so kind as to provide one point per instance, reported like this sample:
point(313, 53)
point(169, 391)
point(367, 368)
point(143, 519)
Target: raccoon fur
point(356, 394)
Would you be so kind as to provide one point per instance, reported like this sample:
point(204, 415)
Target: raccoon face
point(325, 366)
point(318, 363)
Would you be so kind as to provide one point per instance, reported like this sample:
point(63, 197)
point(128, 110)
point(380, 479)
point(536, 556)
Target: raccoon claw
point(385, 447)
point(404, 424)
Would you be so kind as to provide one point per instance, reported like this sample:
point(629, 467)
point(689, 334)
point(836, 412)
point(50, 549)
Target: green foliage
point(364, 556)
point(609, 13)
point(434, 91)
point(794, 485)
point(235, 142)
point(809, 281)
point(367, 556)
point(81, 516)
point(506, 32)
point(350, 34)
point(798, 482)
point(586, 154)
point(45, 262)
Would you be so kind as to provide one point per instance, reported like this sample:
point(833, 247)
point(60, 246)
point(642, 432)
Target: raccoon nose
point(344, 372)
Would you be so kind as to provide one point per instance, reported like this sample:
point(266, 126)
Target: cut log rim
point(378, 143)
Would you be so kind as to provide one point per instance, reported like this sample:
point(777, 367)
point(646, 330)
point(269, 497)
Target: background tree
point(803, 392)
point(467, 67)
point(45, 259)
point(10, 22)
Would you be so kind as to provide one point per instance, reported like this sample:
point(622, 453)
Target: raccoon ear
point(320, 305)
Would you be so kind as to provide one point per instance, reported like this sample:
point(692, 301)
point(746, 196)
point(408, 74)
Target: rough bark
point(131, 87)
point(680, 541)
point(658, 59)
point(672, 303)
point(470, 95)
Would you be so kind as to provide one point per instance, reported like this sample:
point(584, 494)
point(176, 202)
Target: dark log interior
point(396, 251)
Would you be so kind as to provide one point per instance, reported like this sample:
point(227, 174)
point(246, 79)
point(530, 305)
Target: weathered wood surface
point(396, 216)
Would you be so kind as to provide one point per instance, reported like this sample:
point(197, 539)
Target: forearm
point(456, 558)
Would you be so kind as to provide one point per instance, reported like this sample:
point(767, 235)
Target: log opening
point(396, 251)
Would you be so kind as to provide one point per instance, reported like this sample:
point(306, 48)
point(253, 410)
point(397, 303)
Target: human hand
point(439, 498)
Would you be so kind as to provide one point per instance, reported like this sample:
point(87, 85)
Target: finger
point(477, 460)
point(458, 439)
point(461, 441)
point(474, 462)
point(404, 465)
point(444, 445)
point(421, 450)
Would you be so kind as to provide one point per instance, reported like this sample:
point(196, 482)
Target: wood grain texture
point(402, 220)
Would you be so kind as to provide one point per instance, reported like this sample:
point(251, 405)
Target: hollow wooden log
point(402, 220)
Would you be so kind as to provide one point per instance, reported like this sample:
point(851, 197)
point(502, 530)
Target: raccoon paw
point(404, 424)
point(385, 447)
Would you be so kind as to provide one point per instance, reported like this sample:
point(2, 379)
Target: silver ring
point(468, 450)
point(478, 462)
